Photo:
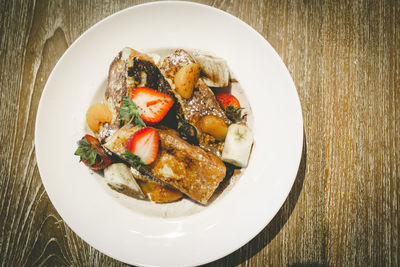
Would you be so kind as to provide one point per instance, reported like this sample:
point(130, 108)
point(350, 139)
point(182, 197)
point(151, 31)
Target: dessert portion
point(161, 132)
point(129, 70)
point(175, 164)
point(198, 105)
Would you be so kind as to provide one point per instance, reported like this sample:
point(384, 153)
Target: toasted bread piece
point(159, 193)
point(188, 168)
point(156, 191)
point(130, 69)
point(185, 167)
point(201, 103)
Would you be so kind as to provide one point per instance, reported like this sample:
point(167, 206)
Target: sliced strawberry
point(153, 105)
point(144, 144)
point(92, 153)
point(226, 100)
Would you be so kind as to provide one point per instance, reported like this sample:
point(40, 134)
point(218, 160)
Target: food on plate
point(130, 69)
point(154, 190)
point(179, 164)
point(129, 112)
point(97, 115)
point(201, 103)
point(231, 105)
point(92, 153)
point(159, 193)
point(161, 132)
point(144, 144)
point(226, 100)
point(238, 143)
point(186, 78)
point(216, 69)
point(120, 178)
point(188, 168)
point(153, 105)
point(214, 126)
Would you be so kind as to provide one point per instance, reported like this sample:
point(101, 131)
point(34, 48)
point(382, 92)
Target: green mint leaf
point(92, 157)
point(139, 121)
point(83, 144)
point(78, 152)
point(129, 112)
point(233, 113)
point(124, 113)
point(135, 161)
point(86, 152)
point(132, 157)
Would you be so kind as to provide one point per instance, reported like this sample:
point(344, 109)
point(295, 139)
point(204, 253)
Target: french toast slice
point(156, 190)
point(202, 102)
point(179, 165)
point(129, 69)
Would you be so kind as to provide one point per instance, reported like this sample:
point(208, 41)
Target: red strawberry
point(144, 144)
point(92, 153)
point(226, 100)
point(98, 165)
point(231, 106)
point(153, 105)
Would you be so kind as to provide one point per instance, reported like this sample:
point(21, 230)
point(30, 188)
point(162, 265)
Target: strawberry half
point(231, 106)
point(144, 144)
point(92, 153)
point(153, 105)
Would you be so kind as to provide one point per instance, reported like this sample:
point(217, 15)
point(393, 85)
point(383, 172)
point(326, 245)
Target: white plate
point(132, 235)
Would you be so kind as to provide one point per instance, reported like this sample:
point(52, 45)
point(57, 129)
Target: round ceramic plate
point(181, 234)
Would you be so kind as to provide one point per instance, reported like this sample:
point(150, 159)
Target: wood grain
point(344, 58)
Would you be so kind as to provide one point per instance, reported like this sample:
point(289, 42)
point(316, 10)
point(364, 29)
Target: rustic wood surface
point(344, 58)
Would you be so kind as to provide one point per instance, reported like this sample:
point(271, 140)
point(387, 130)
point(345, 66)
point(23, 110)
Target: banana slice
point(215, 68)
point(120, 178)
point(237, 147)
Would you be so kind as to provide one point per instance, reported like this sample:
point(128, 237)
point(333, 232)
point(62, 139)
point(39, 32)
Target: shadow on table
point(274, 227)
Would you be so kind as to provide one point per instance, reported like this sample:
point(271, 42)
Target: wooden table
point(344, 57)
